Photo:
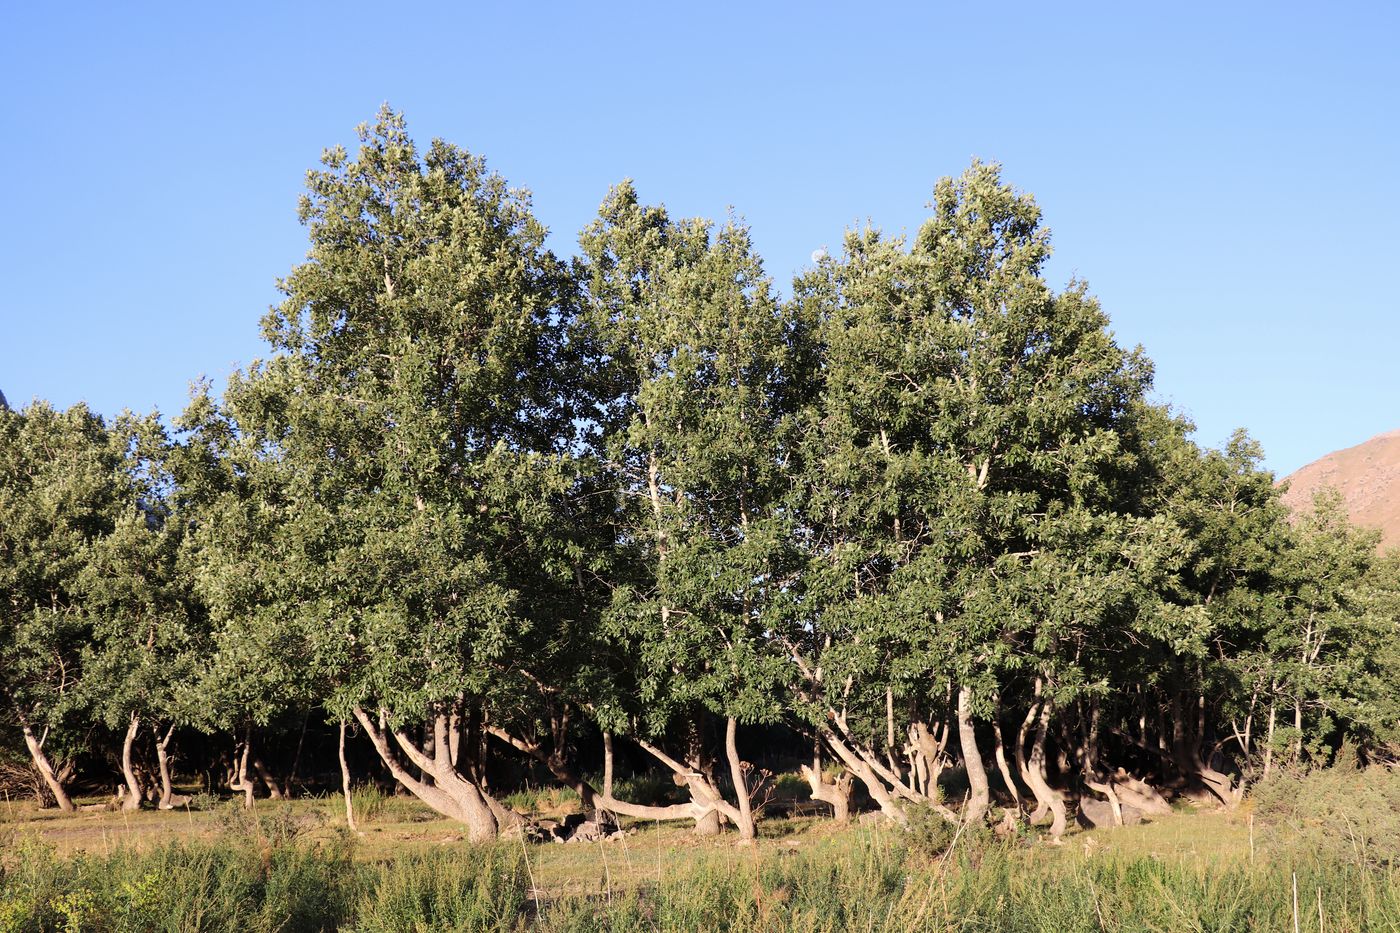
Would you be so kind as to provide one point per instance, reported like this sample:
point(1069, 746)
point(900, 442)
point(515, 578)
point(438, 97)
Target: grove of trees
point(918, 522)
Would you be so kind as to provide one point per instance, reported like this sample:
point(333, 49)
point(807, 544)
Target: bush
point(1344, 813)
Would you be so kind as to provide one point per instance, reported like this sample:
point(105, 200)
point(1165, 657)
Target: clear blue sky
point(1225, 176)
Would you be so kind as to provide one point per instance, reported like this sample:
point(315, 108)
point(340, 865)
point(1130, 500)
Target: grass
point(295, 867)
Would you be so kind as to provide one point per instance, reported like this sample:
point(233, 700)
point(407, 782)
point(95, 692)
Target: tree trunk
point(1089, 763)
point(345, 782)
point(46, 769)
point(273, 790)
point(747, 830)
point(607, 764)
point(1046, 797)
point(1042, 802)
point(132, 800)
point(1269, 742)
point(1002, 765)
point(245, 780)
point(1298, 733)
point(980, 797)
point(926, 748)
point(1189, 761)
point(837, 794)
point(592, 799)
point(449, 792)
point(167, 787)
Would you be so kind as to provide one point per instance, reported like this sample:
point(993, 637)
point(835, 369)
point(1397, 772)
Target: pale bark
point(926, 752)
point(607, 764)
point(980, 797)
point(448, 792)
point(867, 776)
point(747, 830)
point(345, 782)
point(245, 780)
point(167, 787)
point(704, 796)
point(1090, 765)
point(836, 793)
point(1269, 742)
point(1140, 794)
point(1188, 760)
point(273, 790)
point(132, 799)
point(46, 769)
point(1002, 765)
point(591, 797)
point(1042, 802)
point(1046, 797)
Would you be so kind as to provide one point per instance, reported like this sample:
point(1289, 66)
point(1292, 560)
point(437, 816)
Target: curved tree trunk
point(245, 781)
point(873, 785)
point(1039, 783)
point(980, 797)
point(167, 788)
point(132, 798)
point(1187, 748)
point(1042, 801)
point(592, 798)
point(273, 789)
point(747, 830)
point(1002, 766)
point(449, 792)
point(926, 749)
point(46, 769)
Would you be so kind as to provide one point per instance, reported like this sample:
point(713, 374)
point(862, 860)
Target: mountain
point(1367, 476)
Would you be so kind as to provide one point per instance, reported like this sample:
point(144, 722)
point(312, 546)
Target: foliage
point(1343, 813)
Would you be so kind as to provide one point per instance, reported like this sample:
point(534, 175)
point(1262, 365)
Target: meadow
point(296, 867)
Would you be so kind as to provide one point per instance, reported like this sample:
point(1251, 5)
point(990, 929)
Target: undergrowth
point(268, 876)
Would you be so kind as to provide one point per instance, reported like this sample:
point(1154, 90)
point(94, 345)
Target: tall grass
point(861, 880)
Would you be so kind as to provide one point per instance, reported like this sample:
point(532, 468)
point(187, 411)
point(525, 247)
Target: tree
point(146, 633)
point(700, 379)
point(403, 455)
point(966, 414)
point(60, 492)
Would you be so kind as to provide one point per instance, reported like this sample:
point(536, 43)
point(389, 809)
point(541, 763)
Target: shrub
point(1344, 813)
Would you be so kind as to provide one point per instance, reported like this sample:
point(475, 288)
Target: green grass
point(294, 866)
point(284, 872)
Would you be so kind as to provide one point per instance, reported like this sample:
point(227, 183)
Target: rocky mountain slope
point(1368, 477)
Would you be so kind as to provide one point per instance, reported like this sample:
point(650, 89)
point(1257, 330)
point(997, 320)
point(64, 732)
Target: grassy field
point(295, 866)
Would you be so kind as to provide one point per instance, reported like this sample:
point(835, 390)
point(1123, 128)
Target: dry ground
point(648, 852)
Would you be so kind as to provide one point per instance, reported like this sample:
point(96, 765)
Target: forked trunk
point(46, 769)
point(449, 793)
point(980, 796)
point(245, 781)
point(1042, 803)
point(747, 830)
point(837, 793)
point(591, 797)
point(132, 798)
point(1188, 759)
point(167, 789)
point(1034, 771)
point(926, 752)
